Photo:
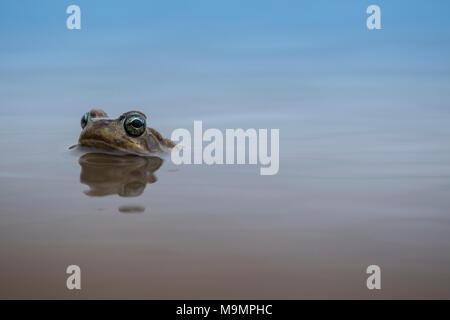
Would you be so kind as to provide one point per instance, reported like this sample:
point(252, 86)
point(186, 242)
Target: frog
point(127, 134)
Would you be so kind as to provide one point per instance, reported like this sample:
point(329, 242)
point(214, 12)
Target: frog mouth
point(101, 143)
point(98, 144)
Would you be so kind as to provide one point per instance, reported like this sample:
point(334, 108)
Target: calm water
point(345, 197)
point(364, 119)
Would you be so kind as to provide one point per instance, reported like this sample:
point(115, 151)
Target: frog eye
point(134, 124)
point(85, 119)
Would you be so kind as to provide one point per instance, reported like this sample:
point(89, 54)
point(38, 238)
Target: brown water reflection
point(126, 176)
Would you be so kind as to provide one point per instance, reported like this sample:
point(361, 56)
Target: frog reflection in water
point(108, 174)
point(126, 174)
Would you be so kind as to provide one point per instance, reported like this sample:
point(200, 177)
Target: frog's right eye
point(85, 119)
point(135, 124)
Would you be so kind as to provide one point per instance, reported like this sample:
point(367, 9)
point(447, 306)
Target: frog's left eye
point(85, 119)
point(134, 124)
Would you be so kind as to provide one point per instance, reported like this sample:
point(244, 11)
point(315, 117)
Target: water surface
point(364, 121)
point(344, 198)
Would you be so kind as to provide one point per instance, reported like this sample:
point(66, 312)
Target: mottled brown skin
point(109, 134)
